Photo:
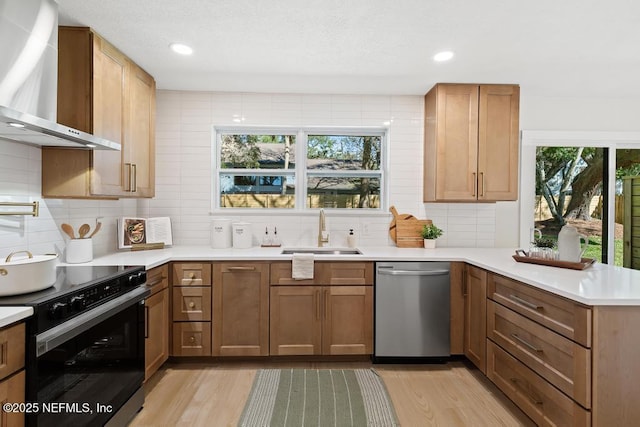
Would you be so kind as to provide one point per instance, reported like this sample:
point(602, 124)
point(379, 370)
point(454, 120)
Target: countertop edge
point(593, 286)
point(9, 315)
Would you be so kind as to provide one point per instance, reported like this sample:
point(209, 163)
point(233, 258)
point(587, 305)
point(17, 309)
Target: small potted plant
point(543, 248)
point(430, 233)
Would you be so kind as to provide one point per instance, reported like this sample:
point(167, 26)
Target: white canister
point(241, 235)
point(221, 233)
point(79, 250)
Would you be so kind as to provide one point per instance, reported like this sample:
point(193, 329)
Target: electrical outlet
point(365, 229)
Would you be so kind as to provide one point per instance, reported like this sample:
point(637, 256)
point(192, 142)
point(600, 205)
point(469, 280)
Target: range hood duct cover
point(29, 78)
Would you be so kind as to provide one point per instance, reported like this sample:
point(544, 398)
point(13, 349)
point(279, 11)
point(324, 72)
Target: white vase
point(429, 243)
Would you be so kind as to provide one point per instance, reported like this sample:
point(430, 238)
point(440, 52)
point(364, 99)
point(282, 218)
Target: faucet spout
point(323, 236)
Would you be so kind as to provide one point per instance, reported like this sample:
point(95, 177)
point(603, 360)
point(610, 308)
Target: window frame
point(300, 172)
point(533, 139)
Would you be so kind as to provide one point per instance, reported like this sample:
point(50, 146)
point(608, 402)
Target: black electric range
point(85, 346)
point(77, 289)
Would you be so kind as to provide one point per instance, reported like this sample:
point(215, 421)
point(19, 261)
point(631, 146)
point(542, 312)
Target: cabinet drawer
point(347, 273)
point(541, 401)
point(191, 304)
point(565, 317)
point(191, 339)
point(325, 273)
point(12, 344)
point(158, 278)
point(281, 274)
point(562, 362)
point(191, 274)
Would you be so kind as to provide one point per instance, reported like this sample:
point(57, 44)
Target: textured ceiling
point(550, 47)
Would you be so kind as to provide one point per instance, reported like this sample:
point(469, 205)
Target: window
point(338, 168)
point(579, 178)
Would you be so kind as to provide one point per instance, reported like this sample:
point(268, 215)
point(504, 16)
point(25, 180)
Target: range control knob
point(78, 303)
point(58, 310)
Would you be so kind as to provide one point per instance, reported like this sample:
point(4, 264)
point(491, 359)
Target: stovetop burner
point(77, 289)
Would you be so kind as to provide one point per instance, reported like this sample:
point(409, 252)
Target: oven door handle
point(55, 336)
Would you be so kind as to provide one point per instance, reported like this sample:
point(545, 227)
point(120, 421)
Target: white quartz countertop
point(599, 284)
point(9, 315)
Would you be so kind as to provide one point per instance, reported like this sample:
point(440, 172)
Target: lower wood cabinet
point(475, 330)
point(12, 377)
point(328, 320)
point(545, 404)
point(240, 309)
point(331, 314)
point(156, 350)
point(191, 309)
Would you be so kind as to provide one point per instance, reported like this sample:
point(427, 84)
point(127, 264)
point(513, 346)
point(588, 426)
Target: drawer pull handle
point(241, 268)
point(526, 344)
point(192, 339)
point(516, 383)
point(192, 304)
point(192, 275)
point(155, 282)
point(525, 303)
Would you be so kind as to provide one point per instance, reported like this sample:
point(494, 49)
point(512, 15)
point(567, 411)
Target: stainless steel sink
point(321, 251)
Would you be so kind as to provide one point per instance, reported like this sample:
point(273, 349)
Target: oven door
point(87, 368)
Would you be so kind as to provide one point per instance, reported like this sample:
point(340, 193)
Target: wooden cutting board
point(396, 217)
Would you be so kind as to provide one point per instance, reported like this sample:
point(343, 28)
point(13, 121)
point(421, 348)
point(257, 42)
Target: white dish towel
point(302, 266)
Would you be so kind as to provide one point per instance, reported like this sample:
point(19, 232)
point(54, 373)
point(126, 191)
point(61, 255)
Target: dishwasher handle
point(385, 272)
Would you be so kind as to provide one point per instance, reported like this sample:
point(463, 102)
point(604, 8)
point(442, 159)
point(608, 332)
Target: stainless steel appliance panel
point(412, 309)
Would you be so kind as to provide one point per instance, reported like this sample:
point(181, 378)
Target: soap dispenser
point(352, 242)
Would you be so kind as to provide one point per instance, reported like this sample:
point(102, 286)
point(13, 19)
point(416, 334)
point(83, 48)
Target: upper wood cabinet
point(102, 92)
point(471, 143)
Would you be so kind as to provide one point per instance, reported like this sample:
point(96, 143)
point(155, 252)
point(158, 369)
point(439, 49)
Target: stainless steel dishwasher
point(412, 311)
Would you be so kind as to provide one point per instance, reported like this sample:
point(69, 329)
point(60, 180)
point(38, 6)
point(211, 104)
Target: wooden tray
point(584, 263)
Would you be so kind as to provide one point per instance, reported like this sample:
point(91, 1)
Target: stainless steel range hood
point(29, 78)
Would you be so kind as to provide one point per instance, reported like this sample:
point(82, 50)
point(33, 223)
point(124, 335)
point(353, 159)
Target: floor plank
point(214, 394)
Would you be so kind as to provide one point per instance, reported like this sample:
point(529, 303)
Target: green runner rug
point(318, 397)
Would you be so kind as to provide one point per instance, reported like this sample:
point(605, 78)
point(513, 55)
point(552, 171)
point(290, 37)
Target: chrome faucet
point(323, 235)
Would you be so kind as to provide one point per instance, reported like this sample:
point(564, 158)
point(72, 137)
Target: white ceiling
point(581, 48)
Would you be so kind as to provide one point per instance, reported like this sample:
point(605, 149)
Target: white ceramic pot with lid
point(569, 247)
point(25, 273)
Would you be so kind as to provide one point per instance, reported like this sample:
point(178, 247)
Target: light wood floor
point(214, 394)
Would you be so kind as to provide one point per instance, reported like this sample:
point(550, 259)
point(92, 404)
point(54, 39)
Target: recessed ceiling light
point(443, 56)
point(16, 125)
point(180, 48)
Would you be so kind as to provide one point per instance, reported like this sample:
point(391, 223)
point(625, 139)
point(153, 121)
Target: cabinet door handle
point(128, 176)
point(326, 303)
point(475, 184)
point(241, 268)
point(146, 321)
point(516, 383)
point(482, 182)
point(192, 339)
point(192, 304)
point(528, 304)
point(134, 179)
point(526, 343)
point(317, 297)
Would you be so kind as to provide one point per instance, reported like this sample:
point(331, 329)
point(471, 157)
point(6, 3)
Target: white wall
point(20, 181)
point(183, 169)
point(184, 163)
